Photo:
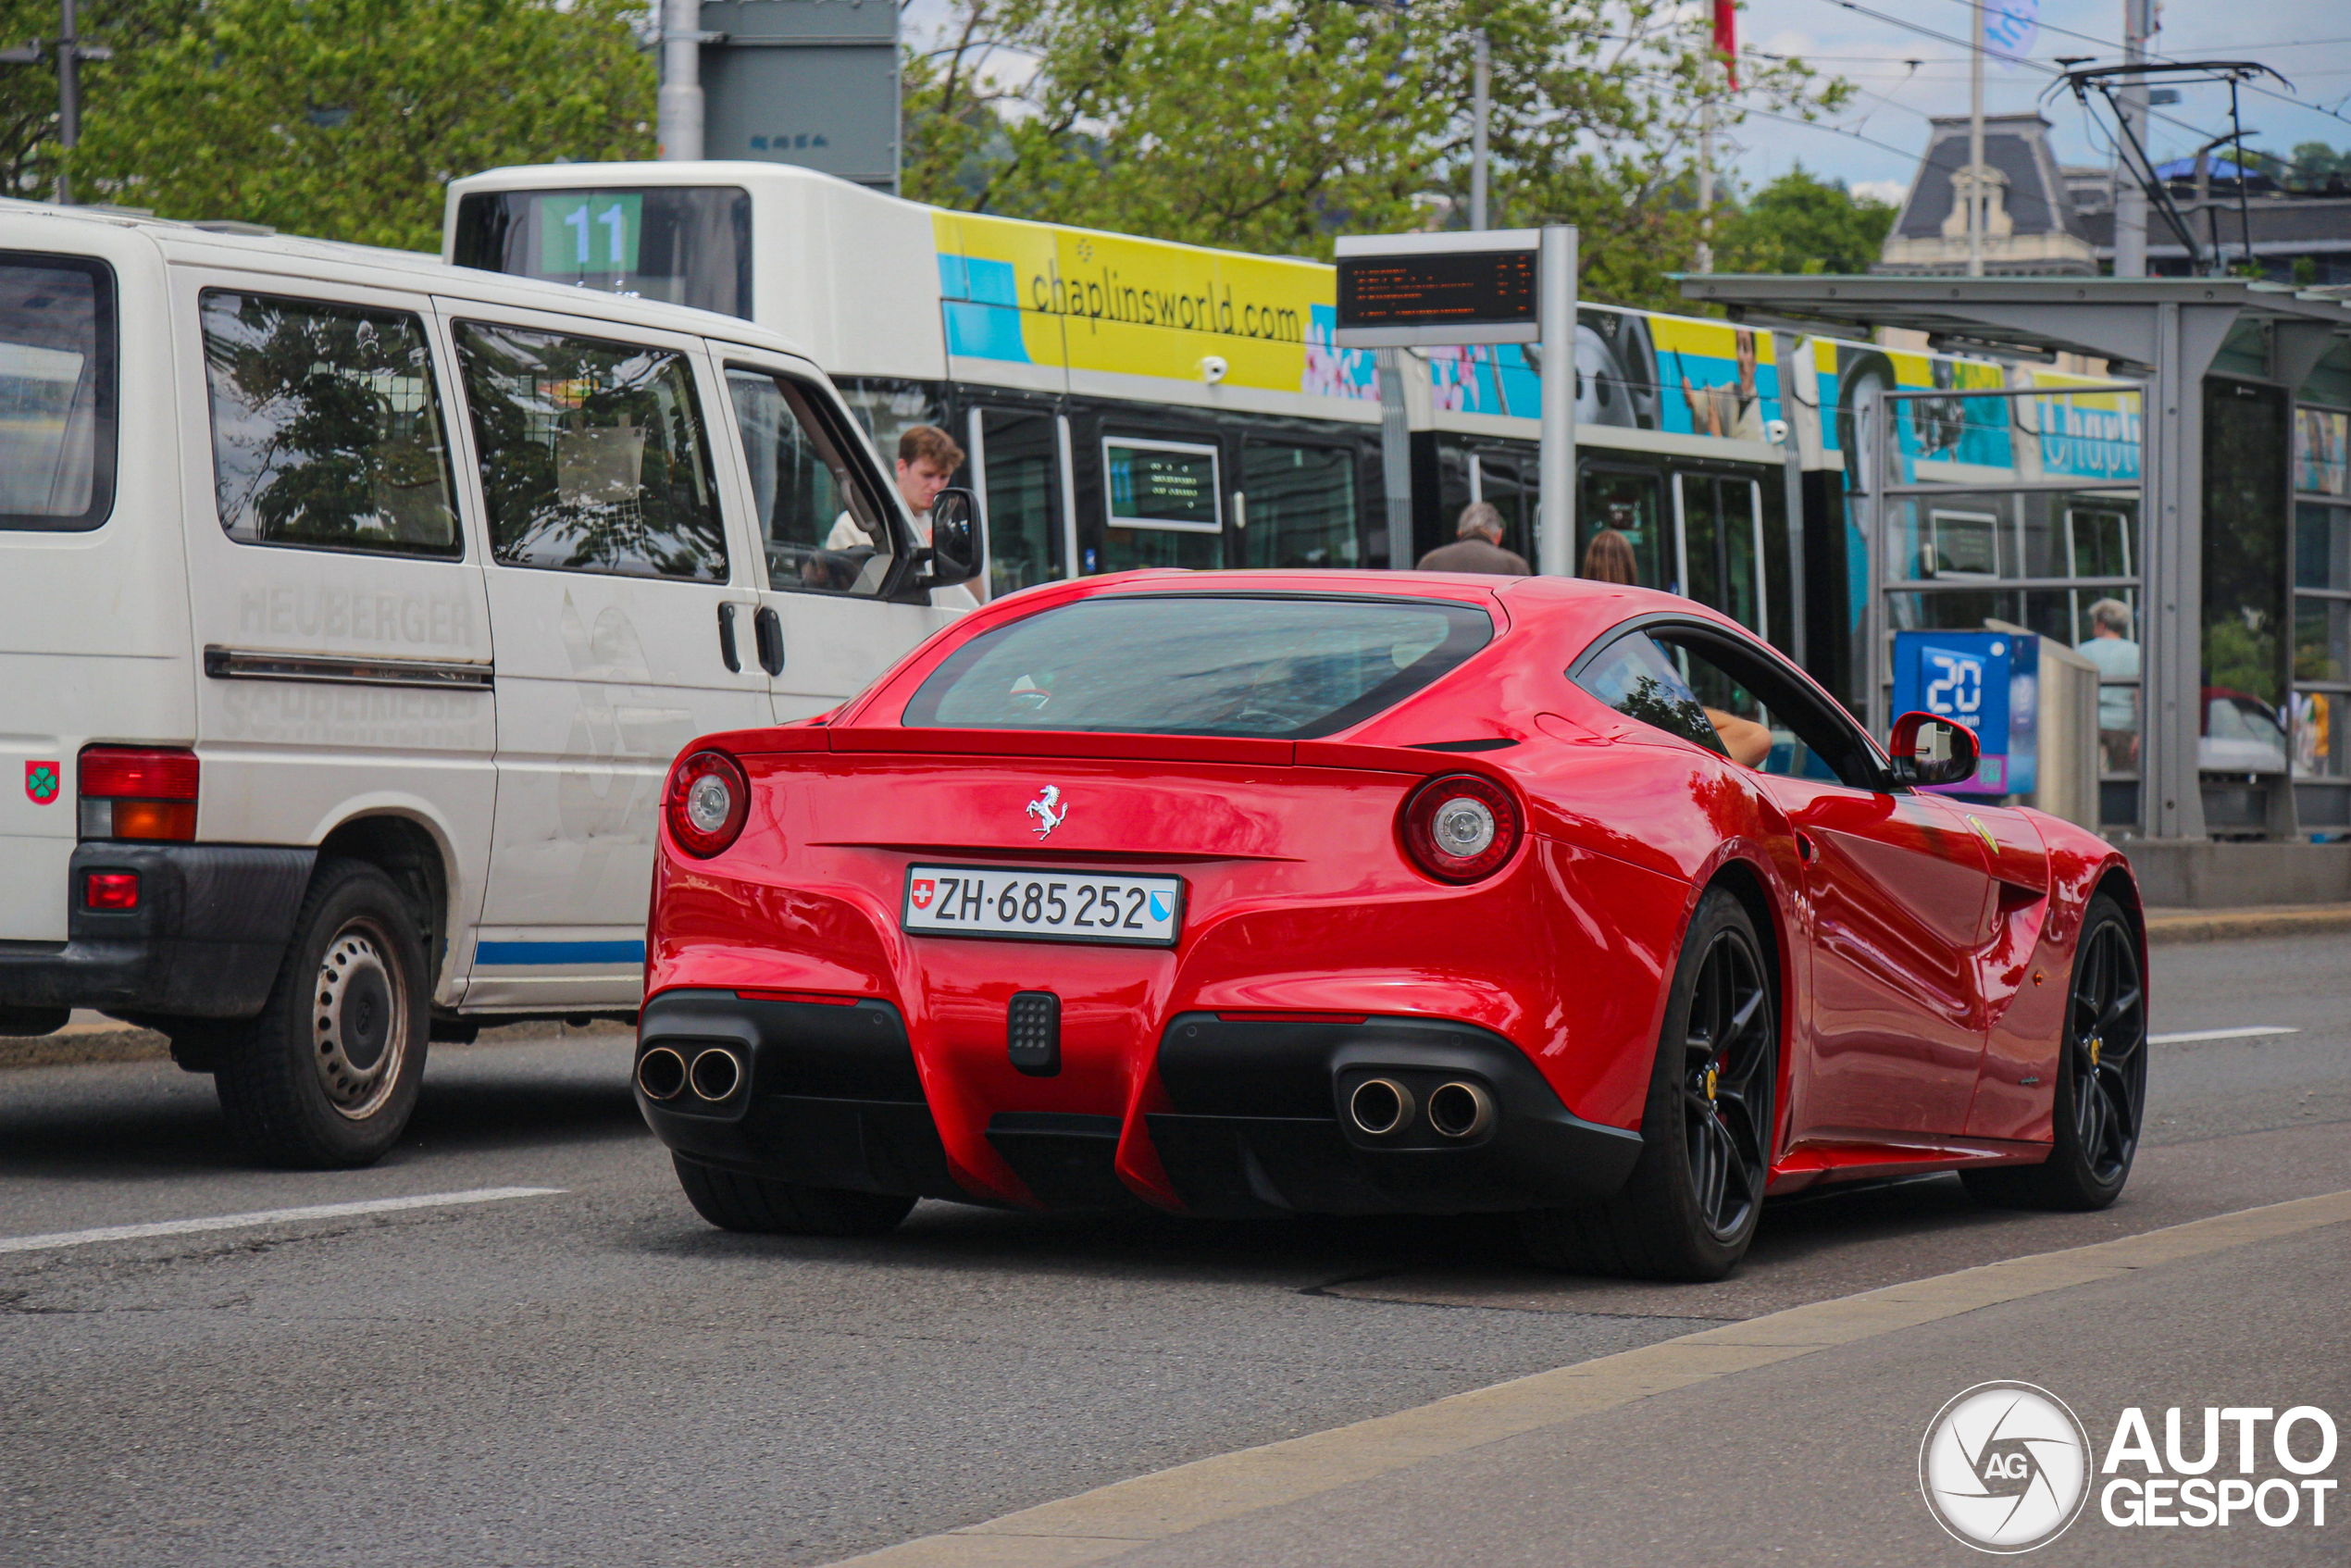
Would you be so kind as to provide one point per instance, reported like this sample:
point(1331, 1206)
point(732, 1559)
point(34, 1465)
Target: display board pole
point(1555, 543)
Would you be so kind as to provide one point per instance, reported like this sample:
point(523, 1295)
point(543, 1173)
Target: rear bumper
point(1251, 1119)
point(1258, 1123)
point(828, 1094)
point(206, 941)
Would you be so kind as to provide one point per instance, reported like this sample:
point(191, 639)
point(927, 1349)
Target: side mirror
point(1927, 750)
point(956, 546)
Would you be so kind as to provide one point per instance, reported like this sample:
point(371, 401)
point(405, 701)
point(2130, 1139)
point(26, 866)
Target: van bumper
point(206, 941)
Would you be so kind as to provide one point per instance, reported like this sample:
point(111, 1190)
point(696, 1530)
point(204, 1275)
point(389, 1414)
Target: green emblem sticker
point(41, 781)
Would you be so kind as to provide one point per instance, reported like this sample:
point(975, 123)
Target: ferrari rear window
point(1201, 664)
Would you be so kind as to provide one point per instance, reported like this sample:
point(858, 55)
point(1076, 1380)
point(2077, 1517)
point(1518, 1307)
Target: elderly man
point(1478, 547)
point(2112, 649)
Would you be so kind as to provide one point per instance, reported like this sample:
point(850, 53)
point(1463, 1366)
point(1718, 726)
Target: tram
point(1126, 402)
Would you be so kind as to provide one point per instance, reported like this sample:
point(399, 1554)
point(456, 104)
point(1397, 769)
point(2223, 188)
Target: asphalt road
point(594, 1377)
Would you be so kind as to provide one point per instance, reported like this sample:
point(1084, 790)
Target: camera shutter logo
point(2005, 1467)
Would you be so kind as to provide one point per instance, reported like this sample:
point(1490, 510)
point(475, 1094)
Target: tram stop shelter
point(2223, 525)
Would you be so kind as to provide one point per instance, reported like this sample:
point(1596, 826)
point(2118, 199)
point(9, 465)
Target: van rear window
point(1283, 666)
point(57, 391)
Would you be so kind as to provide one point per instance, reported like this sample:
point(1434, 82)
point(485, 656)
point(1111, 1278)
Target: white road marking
point(2247, 1033)
point(266, 1216)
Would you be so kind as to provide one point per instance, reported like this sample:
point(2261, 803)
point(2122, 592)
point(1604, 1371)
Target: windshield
point(1200, 664)
point(682, 244)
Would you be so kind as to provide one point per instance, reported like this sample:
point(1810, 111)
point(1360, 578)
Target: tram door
point(1627, 501)
point(1719, 546)
point(1016, 467)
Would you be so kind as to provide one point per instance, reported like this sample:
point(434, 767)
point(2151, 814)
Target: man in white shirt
point(927, 458)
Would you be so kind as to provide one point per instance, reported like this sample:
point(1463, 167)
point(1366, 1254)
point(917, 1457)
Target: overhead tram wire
point(2197, 131)
point(2293, 99)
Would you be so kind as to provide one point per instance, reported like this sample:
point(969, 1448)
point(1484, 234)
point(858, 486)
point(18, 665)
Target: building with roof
point(2030, 228)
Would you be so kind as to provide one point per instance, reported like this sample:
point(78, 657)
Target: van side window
point(325, 427)
point(57, 392)
point(594, 458)
point(819, 527)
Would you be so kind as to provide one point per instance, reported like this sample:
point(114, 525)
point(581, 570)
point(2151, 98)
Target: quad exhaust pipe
point(661, 1074)
point(1380, 1106)
point(716, 1074)
point(1458, 1110)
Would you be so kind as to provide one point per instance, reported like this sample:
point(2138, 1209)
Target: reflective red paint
point(1901, 945)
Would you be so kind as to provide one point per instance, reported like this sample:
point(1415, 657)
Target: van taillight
point(138, 793)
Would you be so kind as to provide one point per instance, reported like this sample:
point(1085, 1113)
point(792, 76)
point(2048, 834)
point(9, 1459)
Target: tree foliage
point(1802, 223)
point(1275, 125)
point(345, 118)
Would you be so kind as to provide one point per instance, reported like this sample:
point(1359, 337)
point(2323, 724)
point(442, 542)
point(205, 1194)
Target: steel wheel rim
point(2106, 1029)
point(358, 1020)
point(1726, 1084)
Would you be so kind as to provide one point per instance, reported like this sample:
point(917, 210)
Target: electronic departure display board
point(1425, 294)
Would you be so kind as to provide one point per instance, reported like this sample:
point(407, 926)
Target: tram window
point(1300, 506)
point(1721, 545)
point(1628, 503)
point(1964, 543)
point(1742, 567)
point(1016, 455)
point(1164, 505)
point(818, 527)
point(1504, 484)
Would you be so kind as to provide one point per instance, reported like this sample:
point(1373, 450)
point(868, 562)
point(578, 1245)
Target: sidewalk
point(2262, 920)
point(1787, 1439)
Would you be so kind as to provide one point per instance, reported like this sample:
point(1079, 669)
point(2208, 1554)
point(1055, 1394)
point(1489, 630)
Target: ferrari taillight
point(706, 802)
point(129, 792)
point(1461, 828)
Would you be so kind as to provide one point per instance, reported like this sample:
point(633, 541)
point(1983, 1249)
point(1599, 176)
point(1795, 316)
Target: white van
point(352, 608)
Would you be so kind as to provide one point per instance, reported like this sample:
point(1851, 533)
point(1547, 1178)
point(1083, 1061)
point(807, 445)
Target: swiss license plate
point(1043, 905)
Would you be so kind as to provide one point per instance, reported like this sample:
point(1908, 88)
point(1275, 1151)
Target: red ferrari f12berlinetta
point(1365, 892)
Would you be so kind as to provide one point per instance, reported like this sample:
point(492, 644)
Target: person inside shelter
point(1609, 558)
point(2111, 648)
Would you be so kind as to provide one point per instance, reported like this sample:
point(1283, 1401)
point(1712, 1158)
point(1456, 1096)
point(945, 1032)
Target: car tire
point(327, 1074)
point(2099, 1100)
point(1690, 1207)
point(765, 1206)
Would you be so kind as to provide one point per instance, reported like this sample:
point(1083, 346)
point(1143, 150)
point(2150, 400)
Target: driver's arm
point(1748, 742)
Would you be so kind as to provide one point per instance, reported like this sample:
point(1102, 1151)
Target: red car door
point(1901, 902)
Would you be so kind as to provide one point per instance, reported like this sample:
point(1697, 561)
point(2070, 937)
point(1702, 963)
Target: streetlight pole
point(71, 51)
point(1975, 145)
point(2130, 197)
point(1481, 106)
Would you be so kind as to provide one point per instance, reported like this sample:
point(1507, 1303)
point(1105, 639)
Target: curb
point(1127, 1516)
point(2166, 926)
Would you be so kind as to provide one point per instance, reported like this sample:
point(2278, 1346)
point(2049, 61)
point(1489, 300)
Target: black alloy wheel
point(2099, 1101)
point(1727, 1048)
point(1690, 1207)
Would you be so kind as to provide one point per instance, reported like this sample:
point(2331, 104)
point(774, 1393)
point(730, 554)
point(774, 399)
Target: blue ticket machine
point(1987, 680)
